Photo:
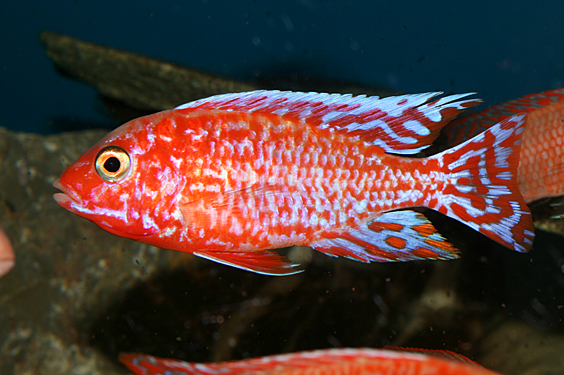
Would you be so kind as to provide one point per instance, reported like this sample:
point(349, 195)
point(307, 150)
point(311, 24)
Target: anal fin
point(263, 261)
point(397, 236)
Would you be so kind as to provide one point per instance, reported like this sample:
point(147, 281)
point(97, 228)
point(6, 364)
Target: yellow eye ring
point(113, 163)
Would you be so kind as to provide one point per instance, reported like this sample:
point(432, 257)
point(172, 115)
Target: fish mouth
point(66, 197)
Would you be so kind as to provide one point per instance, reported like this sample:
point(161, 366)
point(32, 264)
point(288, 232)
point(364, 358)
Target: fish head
point(124, 183)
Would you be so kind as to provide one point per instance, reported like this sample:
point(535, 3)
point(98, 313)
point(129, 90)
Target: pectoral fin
point(243, 205)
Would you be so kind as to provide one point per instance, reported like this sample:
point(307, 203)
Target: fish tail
point(481, 189)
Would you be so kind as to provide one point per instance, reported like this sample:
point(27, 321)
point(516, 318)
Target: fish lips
point(66, 197)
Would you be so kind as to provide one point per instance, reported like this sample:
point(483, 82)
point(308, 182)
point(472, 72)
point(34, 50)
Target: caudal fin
point(482, 189)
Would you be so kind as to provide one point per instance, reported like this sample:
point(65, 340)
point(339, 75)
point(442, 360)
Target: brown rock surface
point(140, 82)
point(517, 348)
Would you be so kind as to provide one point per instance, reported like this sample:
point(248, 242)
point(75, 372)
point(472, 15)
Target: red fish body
point(321, 362)
point(229, 177)
point(541, 161)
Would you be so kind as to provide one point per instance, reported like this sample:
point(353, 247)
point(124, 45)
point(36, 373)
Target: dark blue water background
point(501, 49)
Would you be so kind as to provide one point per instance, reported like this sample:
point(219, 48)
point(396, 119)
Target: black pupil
point(112, 164)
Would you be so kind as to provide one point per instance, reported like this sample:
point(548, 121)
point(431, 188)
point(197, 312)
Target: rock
point(140, 82)
point(515, 348)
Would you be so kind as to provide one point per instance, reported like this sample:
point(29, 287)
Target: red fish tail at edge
point(482, 189)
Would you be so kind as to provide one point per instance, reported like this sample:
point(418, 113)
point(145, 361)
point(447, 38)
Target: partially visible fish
point(362, 361)
point(7, 257)
point(229, 177)
point(541, 165)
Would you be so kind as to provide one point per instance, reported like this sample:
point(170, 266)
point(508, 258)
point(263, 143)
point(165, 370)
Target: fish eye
point(113, 163)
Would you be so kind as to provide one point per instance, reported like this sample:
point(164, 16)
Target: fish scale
point(343, 191)
point(543, 146)
point(230, 177)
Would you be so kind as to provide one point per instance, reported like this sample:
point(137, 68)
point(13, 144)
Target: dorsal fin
point(325, 361)
point(403, 124)
point(440, 353)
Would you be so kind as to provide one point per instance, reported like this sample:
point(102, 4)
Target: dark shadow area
point(529, 286)
point(57, 125)
point(299, 76)
point(115, 112)
point(212, 312)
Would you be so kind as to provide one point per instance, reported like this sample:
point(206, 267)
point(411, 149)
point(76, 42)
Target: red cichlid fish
point(541, 161)
point(228, 177)
point(362, 361)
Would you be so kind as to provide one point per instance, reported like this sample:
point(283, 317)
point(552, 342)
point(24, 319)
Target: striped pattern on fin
point(396, 236)
point(403, 124)
point(483, 191)
point(464, 128)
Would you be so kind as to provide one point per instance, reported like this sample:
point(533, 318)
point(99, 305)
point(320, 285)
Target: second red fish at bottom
point(347, 361)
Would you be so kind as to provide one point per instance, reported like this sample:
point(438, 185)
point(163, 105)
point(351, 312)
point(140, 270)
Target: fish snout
point(66, 196)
